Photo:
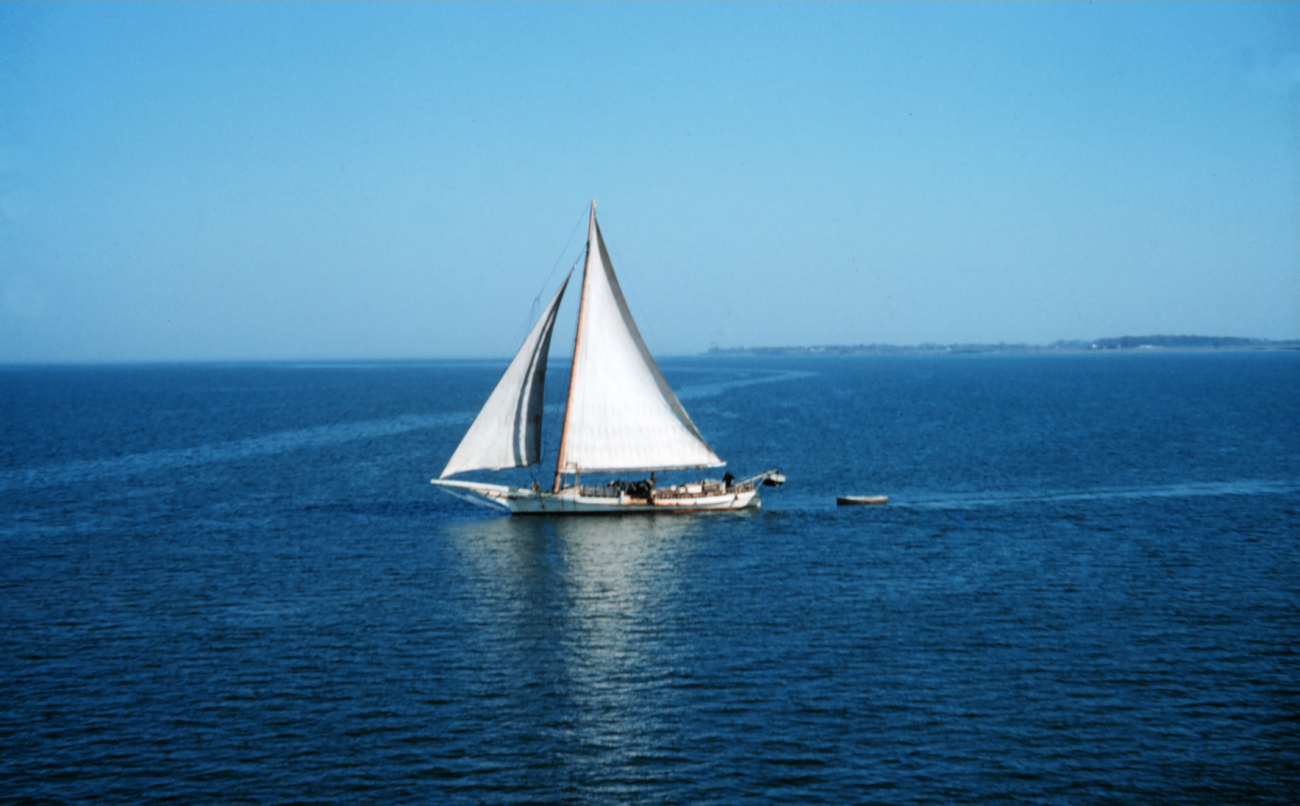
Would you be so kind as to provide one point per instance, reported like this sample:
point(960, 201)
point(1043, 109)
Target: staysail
point(621, 414)
point(508, 430)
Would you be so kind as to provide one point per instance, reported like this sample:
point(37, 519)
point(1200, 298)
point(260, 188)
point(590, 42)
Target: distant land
point(1121, 343)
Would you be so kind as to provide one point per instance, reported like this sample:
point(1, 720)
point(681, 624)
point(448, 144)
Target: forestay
point(622, 415)
point(508, 430)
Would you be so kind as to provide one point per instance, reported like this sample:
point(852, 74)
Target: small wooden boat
point(859, 500)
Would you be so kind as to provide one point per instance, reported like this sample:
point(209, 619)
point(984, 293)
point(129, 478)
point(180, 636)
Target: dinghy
point(620, 416)
point(859, 500)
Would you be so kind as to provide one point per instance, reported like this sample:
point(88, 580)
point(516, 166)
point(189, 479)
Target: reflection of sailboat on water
point(621, 415)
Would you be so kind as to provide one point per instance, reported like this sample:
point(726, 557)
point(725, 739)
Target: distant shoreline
point(1122, 343)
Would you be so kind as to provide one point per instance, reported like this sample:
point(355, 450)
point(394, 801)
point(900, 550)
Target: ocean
point(234, 583)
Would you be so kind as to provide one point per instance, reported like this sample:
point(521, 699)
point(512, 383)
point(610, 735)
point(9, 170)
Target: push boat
point(861, 500)
point(620, 416)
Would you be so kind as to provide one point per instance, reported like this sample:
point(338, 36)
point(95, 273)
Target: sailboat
point(620, 416)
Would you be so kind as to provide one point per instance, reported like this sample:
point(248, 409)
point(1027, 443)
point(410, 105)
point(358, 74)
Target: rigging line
point(550, 427)
point(537, 299)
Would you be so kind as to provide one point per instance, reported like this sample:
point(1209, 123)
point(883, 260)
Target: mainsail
point(621, 414)
point(508, 430)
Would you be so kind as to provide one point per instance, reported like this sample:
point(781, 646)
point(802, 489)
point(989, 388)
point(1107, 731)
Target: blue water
point(234, 583)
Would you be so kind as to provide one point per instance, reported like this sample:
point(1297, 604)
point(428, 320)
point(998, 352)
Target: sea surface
point(233, 583)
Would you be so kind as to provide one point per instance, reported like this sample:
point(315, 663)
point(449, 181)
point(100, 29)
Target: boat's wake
point(82, 470)
point(280, 442)
point(719, 387)
point(1190, 490)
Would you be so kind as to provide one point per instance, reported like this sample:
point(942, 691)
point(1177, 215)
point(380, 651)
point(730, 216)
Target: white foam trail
point(284, 441)
point(280, 442)
point(712, 389)
point(1192, 490)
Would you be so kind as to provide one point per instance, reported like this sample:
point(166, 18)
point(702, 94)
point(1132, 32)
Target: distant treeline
point(1121, 343)
point(1187, 342)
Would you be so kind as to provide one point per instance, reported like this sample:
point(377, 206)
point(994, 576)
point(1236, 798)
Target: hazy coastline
point(1121, 343)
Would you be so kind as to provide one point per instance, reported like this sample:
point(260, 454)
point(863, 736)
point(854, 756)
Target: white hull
point(573, 501)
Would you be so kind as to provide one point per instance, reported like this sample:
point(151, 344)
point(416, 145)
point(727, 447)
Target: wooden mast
point(577, 339)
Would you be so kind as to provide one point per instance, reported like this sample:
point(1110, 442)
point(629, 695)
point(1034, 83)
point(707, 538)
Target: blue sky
point(242, 181)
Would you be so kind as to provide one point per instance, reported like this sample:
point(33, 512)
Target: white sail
point(621, 414)
point(508, 429)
